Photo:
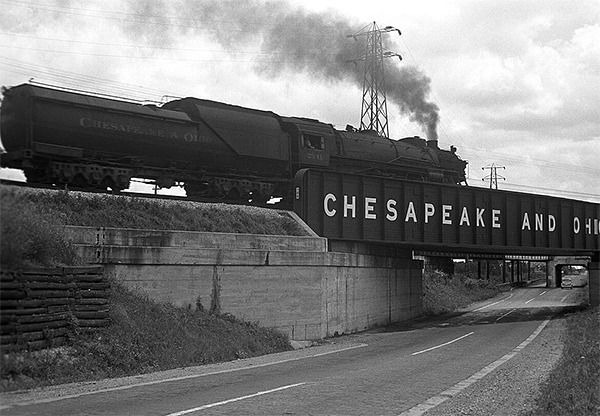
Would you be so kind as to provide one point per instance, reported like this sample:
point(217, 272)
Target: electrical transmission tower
point(493, 176)
point(374, 103)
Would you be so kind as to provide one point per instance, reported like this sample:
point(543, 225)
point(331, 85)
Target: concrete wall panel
point(304, 292)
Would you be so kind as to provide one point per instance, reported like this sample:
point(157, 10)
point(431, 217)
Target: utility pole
point(374, 102)
point(493, 176)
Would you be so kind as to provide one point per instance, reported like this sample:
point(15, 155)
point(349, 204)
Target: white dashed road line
point(186, 377)
point(236, 399)
point(492, 304)
point(506, 314)
point(441, 397)
point(442, 345)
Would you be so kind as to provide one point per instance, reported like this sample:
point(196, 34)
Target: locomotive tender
point(216, 150)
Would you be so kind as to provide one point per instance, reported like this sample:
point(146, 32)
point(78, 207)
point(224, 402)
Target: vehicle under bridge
point(399, 217)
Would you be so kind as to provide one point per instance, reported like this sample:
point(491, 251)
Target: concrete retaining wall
point(291, 283)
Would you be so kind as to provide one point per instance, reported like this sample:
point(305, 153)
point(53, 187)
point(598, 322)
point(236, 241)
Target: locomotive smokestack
point(432, 144)
point(292, 39)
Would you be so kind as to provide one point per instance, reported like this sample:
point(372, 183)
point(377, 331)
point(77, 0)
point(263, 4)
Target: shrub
point(444, 293)
point(572, 388)
point(30, 237)
point(144, 336)
point(101, 210)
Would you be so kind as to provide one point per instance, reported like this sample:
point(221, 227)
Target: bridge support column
point(594, 279)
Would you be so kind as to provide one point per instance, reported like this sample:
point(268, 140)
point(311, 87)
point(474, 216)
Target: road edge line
point(438, 399)
point(174, 379)
point(492, 304)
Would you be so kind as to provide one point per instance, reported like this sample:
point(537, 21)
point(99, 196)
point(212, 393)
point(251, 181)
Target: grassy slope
point(31, 220)
point(78, 208)
point(573, 388)
point(144, 336)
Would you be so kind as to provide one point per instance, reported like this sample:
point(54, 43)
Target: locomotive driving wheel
point(35, 175)
point(198, 189)
point(234, 194)
point(109, 183)
point(79, 181)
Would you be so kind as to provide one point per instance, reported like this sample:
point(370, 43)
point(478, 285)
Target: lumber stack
point(40, 308)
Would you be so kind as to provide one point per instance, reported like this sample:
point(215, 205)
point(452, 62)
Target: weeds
point(29, 236)
point(573, 387)
point(143, 336)
point(444, 293)
point(31, 221)
point(101, 210)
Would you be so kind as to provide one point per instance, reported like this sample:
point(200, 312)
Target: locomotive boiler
point(216, 150)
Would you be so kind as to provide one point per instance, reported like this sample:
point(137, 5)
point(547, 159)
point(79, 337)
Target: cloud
point(290, 40)
point(514, 80)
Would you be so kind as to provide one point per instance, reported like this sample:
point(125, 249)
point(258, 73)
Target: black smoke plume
point(291, 38)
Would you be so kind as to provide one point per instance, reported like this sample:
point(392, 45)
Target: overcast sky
point(510, 83)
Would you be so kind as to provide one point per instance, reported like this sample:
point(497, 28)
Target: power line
point(518, 159)
point(118, 16)
point(75, 79)
point(547, 164)
point(128, 56)
point(564, 193)
point(153, 19)
point(123, 45)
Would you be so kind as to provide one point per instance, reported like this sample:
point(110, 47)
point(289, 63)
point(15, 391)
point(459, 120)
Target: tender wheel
point(34, 175)
point(79, 181)
point(109, 183)
point(258, 198)
point(234, 194)
point(198, 189)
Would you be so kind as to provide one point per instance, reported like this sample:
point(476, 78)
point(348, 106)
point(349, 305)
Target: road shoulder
point(65, 391)
point(513, 387)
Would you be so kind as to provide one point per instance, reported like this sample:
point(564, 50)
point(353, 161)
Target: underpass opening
point(572, 275)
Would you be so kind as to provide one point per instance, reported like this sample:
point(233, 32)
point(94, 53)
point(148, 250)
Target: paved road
point(403, 370)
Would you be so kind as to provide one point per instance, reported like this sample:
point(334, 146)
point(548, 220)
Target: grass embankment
point(144, 335)
point(32, 221)
point(573, 388)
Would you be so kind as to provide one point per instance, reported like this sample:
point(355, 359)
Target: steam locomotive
point(216, 150)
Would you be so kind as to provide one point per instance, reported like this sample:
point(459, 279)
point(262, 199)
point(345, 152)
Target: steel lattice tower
point(493, 176)
point(374, 102)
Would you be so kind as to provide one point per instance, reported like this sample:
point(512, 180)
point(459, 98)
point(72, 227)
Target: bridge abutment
point(307, 287)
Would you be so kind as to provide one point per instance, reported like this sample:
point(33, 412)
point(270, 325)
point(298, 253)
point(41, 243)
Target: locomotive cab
point(312, 150)
point(311, 142)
